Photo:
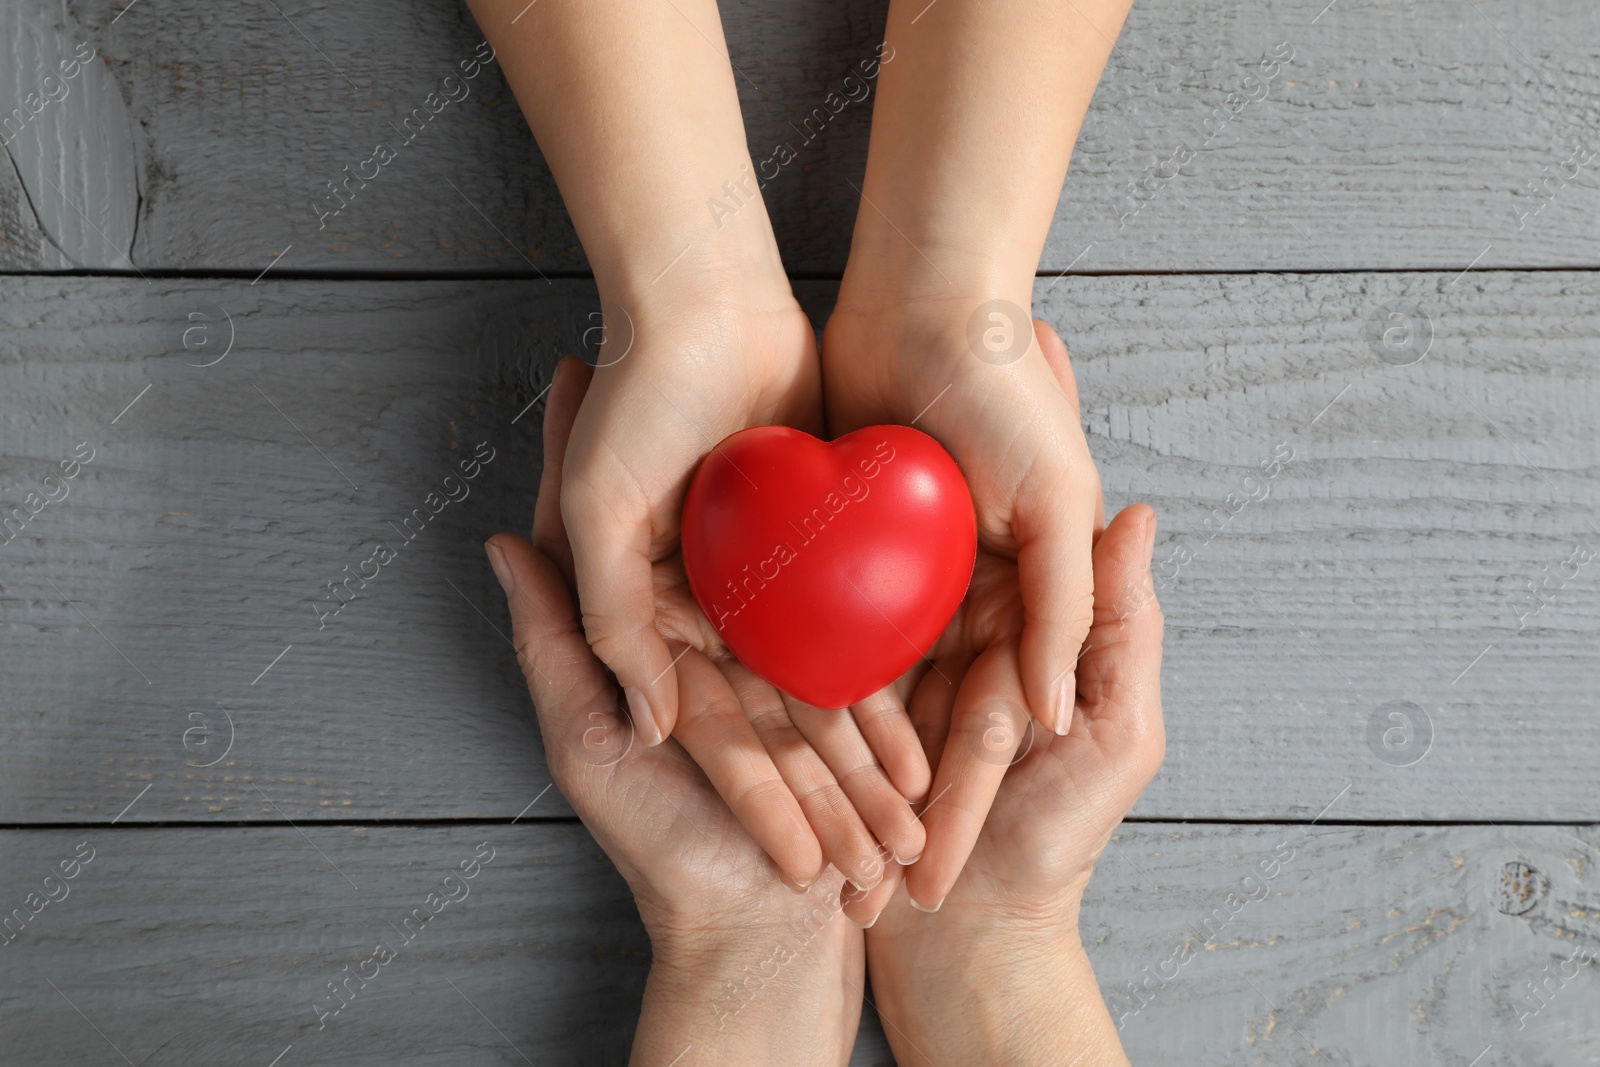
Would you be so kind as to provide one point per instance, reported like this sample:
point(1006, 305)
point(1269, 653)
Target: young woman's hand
point(979, 104)
point(804, 782)
point(1014, 431)
point(679, 370)
point(637, 115)
point(998, 975)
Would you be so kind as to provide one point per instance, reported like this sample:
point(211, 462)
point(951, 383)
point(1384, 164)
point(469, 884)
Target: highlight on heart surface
point(829, 567)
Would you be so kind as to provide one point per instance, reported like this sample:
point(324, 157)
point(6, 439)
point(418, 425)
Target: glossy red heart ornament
point(829, 568)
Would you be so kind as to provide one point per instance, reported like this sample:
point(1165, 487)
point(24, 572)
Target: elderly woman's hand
point(998, 975)
point(743, 968)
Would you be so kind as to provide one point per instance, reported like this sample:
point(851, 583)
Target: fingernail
point(643, 721)
point(865, 925)
point(794, 883)
point(909, 862)
point(919, 907)
point(1066, 694)
point(1149, 539)
point(502, 569)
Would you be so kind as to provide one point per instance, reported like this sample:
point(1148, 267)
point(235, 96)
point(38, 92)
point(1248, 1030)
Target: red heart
point(829, 568)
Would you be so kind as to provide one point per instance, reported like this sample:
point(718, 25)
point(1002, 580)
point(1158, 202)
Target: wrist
point(709, 292)
point(989, 989)
point(753, 995)
point(693, 248)
point(909, 341)
point(889, 267)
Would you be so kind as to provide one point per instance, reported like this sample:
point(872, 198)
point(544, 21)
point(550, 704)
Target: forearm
point(1017, 999)
point(635, 110)
point(978, 109)
point(753, 1001)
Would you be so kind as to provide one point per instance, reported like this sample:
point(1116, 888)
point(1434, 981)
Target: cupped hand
point(711, 902)
point(1003, 955)
point(811, 786)
point(683, 363)
point(1014, 642)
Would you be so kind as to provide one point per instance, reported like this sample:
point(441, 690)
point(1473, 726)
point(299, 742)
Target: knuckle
point(823, 799)
point(612, 637)
point(863, 777)
point(879, 716)
point(716, 717)
point(1077, 617)
point(759, 793)
point(771, 722)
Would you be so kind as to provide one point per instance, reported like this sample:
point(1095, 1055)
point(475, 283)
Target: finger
point(969, 775)
point(1054, 523)
point(930, 704)
point(863, 906)
point(1055, 571)
point(887, 815)
point(844, 838)
point(611, 562)
point(570, 690)
point(1119, 677)
point(887, 729)
point(1055, 355)
point(713, 729)
point(567, 387)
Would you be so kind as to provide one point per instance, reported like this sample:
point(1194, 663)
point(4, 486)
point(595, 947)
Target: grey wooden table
point(1383, 262)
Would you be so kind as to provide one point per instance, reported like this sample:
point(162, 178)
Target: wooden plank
point(196, 547)
point(1364, 616)
point(1363, 146)
point(1361, 629)
point(1368, 945)
point(1372, 944)
point(66, 130)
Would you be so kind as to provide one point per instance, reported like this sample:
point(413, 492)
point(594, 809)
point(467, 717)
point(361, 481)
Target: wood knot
point(1520, 888)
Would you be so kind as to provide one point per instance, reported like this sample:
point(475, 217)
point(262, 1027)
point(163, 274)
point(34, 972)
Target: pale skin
point(715, 342)
point(635, 109)
point(999, 975)
point(979, 88)
point(703, 338)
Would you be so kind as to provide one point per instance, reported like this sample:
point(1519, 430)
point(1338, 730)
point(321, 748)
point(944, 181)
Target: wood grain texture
point(1383, 571)
point(66, 131)
point(1370, 944)
point(1417, 135)
point(196, 547)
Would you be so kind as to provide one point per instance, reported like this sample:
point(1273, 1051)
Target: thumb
point(616, 589)
point(1119, 675)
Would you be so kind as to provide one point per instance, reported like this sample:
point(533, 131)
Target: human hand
point(742, 968)
point(702, 338)
point(795, 776)
point(1013, 428)
point(684, 363)
point(999, 975)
